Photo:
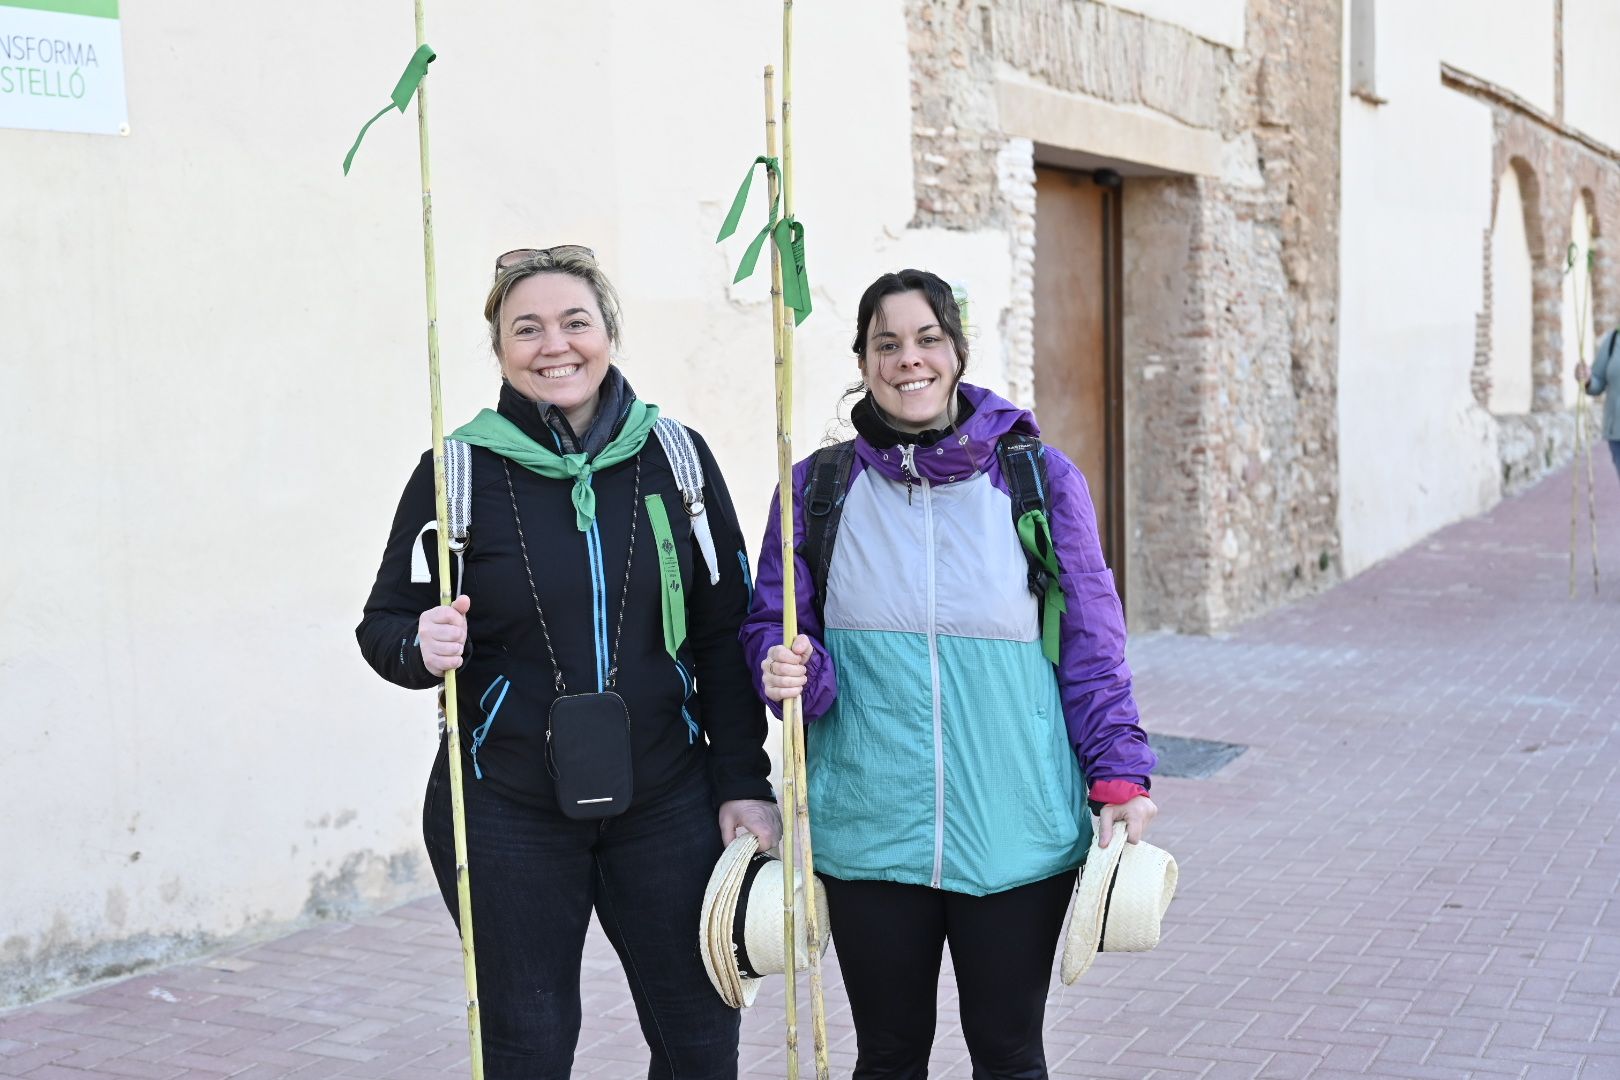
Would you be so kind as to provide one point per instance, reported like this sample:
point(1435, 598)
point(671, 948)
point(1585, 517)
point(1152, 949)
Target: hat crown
point(1119, 902)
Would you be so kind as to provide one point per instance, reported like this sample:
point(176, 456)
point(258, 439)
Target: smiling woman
point(590, 614)
point(956, 727)
point(554, 331)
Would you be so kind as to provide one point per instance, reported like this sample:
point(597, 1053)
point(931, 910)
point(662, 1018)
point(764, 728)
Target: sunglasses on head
point(519, 256)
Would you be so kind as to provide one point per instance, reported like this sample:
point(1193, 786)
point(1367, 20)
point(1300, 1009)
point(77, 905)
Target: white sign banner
point(62, 66)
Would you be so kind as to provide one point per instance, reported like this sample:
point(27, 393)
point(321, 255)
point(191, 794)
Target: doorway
point(1079, 378)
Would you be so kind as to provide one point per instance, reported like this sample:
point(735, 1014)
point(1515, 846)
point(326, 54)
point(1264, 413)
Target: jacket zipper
point(599, 619)
point(909, 466)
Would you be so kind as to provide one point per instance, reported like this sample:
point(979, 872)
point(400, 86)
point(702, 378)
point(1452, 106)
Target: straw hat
point(1123, 892)
point(740, 926)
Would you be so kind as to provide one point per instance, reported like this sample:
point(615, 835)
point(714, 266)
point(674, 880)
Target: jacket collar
point(546, 424)
point(966, 450)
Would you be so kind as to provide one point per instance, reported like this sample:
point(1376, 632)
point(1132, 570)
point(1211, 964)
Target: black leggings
point(889, 939)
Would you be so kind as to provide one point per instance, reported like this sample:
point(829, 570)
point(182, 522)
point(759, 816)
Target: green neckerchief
point(493, 431)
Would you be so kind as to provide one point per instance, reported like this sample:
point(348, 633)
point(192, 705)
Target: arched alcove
point(1580, 292)
point(1512, 308)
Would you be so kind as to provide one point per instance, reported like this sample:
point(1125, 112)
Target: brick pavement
point(1411, 873)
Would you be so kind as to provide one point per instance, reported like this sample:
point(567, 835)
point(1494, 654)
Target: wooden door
point(1078, 386)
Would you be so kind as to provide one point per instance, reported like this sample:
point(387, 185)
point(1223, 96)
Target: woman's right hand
point(786, 672)
point(442, 632)
point(1583, 374)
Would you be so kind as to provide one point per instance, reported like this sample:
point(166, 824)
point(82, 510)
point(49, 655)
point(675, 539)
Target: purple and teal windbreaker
point(946, 750)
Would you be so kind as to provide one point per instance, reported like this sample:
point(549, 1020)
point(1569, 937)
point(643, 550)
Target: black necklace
point(624, 592)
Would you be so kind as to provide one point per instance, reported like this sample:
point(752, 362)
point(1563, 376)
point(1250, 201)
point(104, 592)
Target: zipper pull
point(908, 466)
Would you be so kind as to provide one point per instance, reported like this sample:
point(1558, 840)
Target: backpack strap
point(458, 493)
point(830, 467)
point(1023, 465)
point(688, 470)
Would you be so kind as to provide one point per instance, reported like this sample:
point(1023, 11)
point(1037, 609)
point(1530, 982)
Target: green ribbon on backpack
point(669, 569)
point(493, 431)
point(1036, 535)
point(404, 90)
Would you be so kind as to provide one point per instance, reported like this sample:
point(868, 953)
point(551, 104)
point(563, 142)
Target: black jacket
point(700, 712)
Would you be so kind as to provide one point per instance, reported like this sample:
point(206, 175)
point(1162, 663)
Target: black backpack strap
point(1023, 464)
point(823, 497)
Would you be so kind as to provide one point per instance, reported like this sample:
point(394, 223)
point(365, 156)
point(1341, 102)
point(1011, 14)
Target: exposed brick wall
point(1231, 381)
point(1556, 169)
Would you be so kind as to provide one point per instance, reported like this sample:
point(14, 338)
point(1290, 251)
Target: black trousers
point(537, 876)
point(890, 939)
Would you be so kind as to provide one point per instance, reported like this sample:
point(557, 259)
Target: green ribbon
point(493, 431)
point(669, 569)
point(1036, 535)
point(787, 234)
point(404, 90)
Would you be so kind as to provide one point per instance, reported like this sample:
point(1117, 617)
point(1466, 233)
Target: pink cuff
point(1114, 792)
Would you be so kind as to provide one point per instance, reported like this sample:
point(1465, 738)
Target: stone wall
point(1557, 167)
point(1230, 379)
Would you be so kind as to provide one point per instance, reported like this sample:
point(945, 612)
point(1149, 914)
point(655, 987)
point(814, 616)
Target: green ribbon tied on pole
point(1036, 535)
point(404, 90)
point(788, 236)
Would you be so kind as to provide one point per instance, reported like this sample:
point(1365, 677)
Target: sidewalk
point(1412, 871)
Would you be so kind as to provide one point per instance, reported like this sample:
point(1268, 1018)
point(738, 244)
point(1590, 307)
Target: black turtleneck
point(545, 423)
point(874, 426)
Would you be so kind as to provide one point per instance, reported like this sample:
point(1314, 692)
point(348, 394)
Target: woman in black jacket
point(579, 532)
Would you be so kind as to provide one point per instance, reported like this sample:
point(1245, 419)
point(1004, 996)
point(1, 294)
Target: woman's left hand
point(751, 815)
point(1134, 815)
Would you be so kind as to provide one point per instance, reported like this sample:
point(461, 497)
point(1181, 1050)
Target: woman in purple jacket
point(955, 719)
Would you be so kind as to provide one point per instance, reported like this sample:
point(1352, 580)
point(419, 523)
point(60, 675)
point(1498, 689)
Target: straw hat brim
point(1128, 886)
point(715, 919)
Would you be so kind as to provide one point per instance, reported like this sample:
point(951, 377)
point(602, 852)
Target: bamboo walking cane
point(1575, 492)
point(784, 465)
point(452, 720)
point(414, 83)
point(1586, 414)
point(792, 717)
point(790, 289)
point(1583, 439)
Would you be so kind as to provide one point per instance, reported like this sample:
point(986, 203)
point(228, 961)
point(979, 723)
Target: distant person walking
point(1596, 380)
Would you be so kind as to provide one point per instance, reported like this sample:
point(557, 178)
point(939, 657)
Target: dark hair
point(940, 298)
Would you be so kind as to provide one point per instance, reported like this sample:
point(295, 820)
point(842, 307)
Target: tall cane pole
point(1575, 490)
point(1583, 438)
point(1584, 322)
point(792, 716)
point(790, 710)
point(452, 723)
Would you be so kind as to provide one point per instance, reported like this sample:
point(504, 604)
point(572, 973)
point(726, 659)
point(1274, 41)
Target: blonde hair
point(575, 262)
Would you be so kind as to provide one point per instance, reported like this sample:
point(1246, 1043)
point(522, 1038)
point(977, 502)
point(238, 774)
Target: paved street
point(1410, 873)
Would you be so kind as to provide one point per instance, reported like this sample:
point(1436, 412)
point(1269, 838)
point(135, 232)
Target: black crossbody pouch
point(588, 755)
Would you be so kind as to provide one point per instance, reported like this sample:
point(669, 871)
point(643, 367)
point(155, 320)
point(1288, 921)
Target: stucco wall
point(1416, 449)
point(1512, 43)
point(216, 373)
point(1591, 71)
point(1512, 290)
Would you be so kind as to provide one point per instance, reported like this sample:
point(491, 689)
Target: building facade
point(1287, 279)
